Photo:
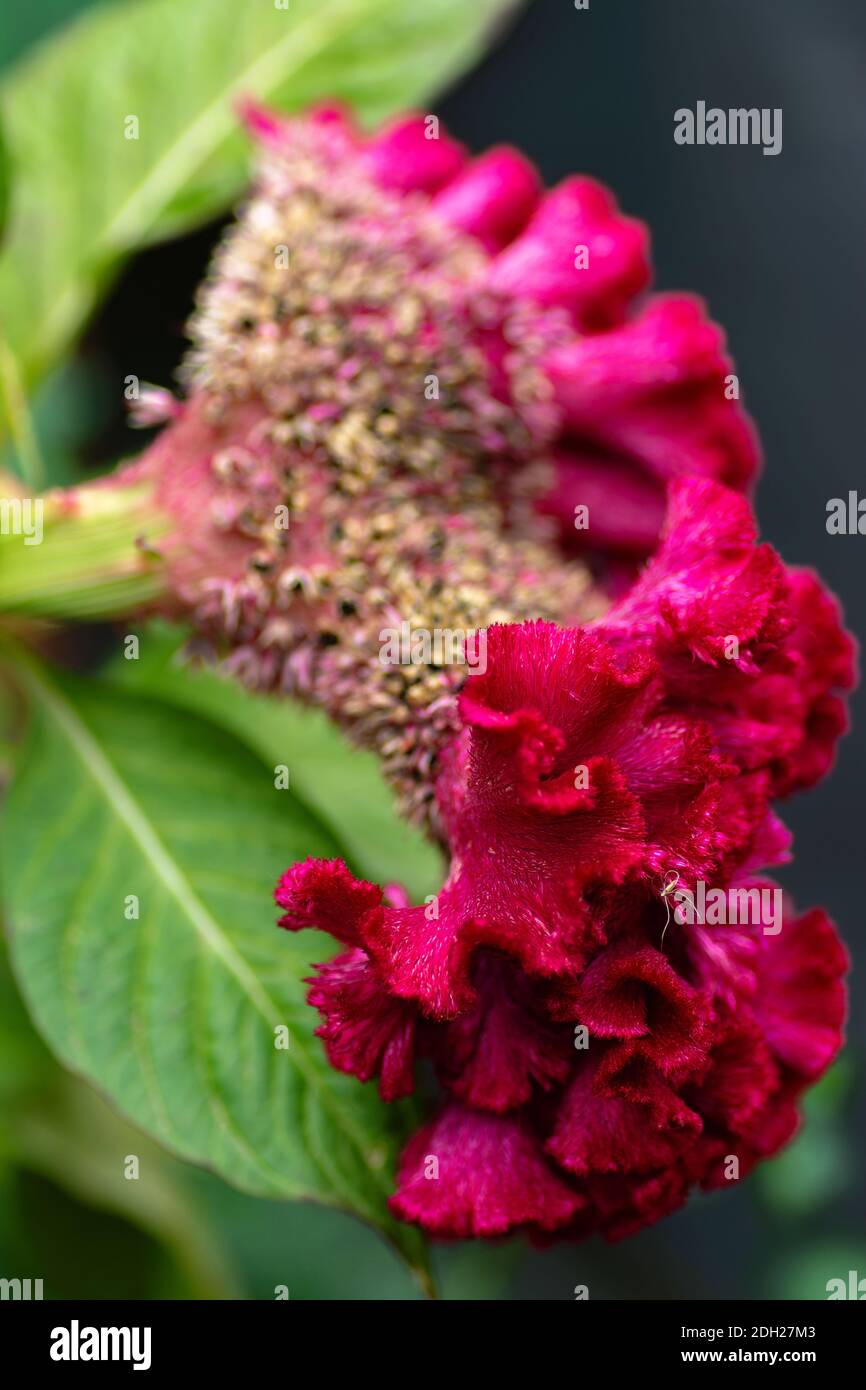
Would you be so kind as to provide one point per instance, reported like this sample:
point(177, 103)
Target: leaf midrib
point(204, 135)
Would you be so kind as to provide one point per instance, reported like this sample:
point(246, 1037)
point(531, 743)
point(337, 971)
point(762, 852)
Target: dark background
point(775, 245)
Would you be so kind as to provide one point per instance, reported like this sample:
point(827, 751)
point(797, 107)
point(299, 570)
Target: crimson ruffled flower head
point(430, 366)
point(609, 1057)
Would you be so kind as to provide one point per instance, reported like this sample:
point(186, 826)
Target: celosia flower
point(420, 358)
point(551, 919)
point(405, 362)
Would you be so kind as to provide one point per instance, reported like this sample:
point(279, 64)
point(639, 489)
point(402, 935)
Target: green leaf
point(24, 25)
point(4, 182)
point(72, 1138)
point(26, 1066)
point(53, 1124)
point(803, 1274)
point(342, 784)
point(174, 1015)
point(86, 195)
point(317, 1252)
point(809, 1174)
point(818, 1166)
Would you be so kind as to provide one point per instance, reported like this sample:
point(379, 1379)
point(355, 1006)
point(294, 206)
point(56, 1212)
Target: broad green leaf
point(341, 783)
point(123, 130)
point(175, 1015)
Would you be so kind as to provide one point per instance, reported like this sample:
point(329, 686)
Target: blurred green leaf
point(80, 1251)
point(4, 182)
point(15, 412)
point(53, 1125)
point(174, 1014)
point(23, 25)
point(26, 1065)
point(76, 1142)
point(813, 1171)
point(343, 784)
point(817, 1167)
point(316, 1252)
point(804, 1273)
point(123, 130)
point(68, 408)
point(477, 1270)
point(65, 410)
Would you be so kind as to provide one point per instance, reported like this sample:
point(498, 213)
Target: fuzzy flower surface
point(435, 368)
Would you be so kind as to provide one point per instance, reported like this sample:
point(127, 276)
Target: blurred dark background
point(775, 247)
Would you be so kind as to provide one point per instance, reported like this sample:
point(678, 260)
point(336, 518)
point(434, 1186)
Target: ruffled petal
point(740, 1080)
point(583, 477)
point(630, 991)
point(426, 953)
point(600, 1131)
point(800, 1001)
point(493, 1057)
point(413, 155)
point(654, 391)
point(471, 1174)
point(577, 220)
point(492, 198)
point(819, 667)
point(709, 592)
point(322, 893)
point(367, 1032)
point(622, 1204)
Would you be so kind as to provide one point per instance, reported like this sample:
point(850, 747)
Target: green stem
point(86, 555)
